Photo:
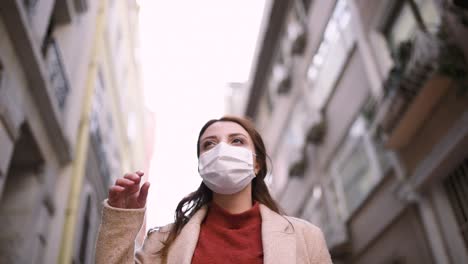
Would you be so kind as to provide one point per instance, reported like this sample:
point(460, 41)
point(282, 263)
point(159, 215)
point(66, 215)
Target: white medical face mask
point(226, 169)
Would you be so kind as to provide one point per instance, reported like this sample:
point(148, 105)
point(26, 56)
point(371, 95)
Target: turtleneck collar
point(220, 217)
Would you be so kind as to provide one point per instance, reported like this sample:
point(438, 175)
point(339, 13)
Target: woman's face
point(228, 132)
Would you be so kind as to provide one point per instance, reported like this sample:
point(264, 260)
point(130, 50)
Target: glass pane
point(382, 156)
point(328, 61)
point(331, 32)
point(297, 128)
point(312, 73)
point(343, 14)
point(429, 14)
point(356, 175)
point(402, 28)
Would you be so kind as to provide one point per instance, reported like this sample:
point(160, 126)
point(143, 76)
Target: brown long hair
point(190, 204)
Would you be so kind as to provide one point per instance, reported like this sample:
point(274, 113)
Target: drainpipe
point(79, 163)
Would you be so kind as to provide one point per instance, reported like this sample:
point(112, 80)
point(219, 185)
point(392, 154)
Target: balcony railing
point(57, 75)
point(424, 68)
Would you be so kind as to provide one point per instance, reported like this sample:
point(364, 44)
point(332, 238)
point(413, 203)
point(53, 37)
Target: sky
point(189, 51)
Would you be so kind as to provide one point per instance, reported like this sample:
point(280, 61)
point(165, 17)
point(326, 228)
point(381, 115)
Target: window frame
point(343, 42)
point(416, 12)
point(377, 169)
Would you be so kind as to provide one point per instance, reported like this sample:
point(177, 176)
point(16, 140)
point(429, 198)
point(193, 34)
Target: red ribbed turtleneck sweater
point(230, 238)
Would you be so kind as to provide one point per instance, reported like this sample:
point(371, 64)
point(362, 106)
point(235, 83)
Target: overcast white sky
point(189, 51)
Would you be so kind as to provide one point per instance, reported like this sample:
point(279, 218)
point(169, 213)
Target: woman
point(231, 218)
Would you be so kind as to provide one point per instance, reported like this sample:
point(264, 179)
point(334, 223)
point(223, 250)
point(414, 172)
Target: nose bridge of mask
point(239, 153)
point(225, 150)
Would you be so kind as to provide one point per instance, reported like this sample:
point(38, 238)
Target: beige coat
point(285, 239)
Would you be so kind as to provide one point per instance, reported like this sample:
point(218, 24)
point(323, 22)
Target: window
point(360, 163)
point(295, 133)
point(55, 66)
point(333, 51)
point(278, 74)
point(99, 136)
point(410, 16)
point(295, 39)
point(315, 209)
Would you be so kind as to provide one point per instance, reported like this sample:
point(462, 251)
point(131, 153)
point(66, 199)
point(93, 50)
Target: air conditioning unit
point(299, 43)
point(284, 84)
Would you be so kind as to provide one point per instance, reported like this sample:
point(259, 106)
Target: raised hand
point(126, 192)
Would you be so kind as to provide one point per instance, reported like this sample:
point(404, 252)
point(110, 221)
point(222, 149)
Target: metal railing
point(456, 186)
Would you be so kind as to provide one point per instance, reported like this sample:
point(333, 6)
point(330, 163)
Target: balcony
point(57, 75)
point(425, 68)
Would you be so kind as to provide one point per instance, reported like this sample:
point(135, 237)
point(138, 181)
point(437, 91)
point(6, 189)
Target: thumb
point(143, 194)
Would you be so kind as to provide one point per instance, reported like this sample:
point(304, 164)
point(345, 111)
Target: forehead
point(224, 128)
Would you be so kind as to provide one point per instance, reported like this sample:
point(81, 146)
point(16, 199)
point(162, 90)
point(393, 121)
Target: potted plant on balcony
point(459, 8)
point(451, 62)
point(297, 169)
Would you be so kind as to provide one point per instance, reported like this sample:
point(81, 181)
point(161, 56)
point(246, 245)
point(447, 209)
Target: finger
point(124, 182)
point(143, 193)
point(115, 195)
point(131, 187)
point(133, 177)
point(115, 191)
point(140, 173)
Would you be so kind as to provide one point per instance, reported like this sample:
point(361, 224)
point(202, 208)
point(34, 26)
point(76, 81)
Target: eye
point(208, 144)
point(238, 141)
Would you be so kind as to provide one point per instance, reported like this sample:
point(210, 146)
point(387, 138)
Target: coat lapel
point(182, 249)
point(279, 243)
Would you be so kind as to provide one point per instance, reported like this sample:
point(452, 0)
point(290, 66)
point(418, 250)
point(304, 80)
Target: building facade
point(71, 122)
point(363, 106)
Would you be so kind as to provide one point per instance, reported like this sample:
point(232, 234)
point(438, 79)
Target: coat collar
point(279, 244)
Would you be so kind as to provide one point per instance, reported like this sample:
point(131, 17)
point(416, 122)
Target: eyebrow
point(230, 136)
